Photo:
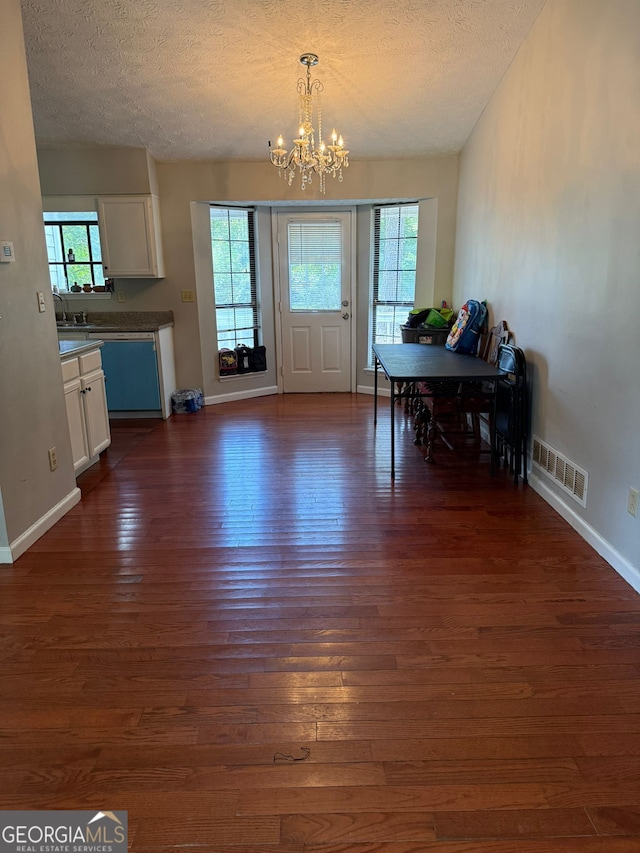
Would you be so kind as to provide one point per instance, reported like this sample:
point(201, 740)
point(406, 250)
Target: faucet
point(64, 314)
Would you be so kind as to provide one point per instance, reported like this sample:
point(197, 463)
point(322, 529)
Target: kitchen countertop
point(72, 348)
point(122, 321)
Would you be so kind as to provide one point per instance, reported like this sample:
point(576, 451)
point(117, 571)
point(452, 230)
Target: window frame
point(375, 302)
point(255, 330)
point(65, 264)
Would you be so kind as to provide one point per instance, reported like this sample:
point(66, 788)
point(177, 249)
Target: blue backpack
point(465, 332)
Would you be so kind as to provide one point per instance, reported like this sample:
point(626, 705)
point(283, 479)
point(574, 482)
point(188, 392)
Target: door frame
point(277, 291)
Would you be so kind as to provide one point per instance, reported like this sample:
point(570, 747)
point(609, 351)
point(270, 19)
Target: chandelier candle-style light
point(305, 155)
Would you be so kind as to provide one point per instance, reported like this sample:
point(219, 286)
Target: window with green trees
point(315, 264)
point(234, 276)
point(73, 250)
point(395, 249)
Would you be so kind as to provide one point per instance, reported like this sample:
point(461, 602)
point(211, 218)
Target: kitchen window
point(74, 253)
point(395, 249)
point(234, 276)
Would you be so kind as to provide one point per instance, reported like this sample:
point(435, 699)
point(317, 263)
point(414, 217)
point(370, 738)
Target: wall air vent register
point(566, 474)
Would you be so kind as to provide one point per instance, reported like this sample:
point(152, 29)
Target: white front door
point(314, 252)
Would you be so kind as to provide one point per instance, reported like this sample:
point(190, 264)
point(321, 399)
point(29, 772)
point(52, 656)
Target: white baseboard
point(40, 527)
point(623, 567)
point(241, 395)
point(369, 389)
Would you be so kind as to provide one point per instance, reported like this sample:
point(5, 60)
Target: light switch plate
point(188, 296)
point(42, 305)
point(7, 255)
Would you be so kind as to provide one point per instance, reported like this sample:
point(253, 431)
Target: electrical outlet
point(120, 296)
point(42, 307)
point(53, 458)
point(188, 296)
point(632, 503)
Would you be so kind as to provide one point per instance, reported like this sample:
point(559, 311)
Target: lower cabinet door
point(74, 401)
point(95, 412)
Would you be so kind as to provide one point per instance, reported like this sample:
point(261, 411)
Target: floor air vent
point(569, 477)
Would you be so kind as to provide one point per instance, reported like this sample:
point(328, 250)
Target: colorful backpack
point(465, 332)
point(227, 361)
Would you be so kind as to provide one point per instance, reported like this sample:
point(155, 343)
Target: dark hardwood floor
point(253, 640)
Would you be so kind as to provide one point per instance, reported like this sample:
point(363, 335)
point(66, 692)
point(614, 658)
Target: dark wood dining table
point(413, 363)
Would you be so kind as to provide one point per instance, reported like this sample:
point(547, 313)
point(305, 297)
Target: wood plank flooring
point(253, 640)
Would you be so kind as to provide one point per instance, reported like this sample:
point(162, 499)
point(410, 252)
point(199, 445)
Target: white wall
point(31, 393)
point(548, 230)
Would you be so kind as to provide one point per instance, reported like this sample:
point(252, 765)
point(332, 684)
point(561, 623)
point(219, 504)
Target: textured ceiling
point(216, 79)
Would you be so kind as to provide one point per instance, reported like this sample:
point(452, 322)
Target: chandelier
point(306, 156)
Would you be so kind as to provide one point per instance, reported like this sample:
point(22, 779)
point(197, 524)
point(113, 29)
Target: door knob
point(345, 316)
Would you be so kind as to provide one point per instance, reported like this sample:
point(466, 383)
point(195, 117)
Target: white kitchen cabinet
point(130, 236)
point(77, 424)
point(86, 404)
point(95, 412)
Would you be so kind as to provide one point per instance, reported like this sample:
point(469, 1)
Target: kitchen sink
point(69, 324)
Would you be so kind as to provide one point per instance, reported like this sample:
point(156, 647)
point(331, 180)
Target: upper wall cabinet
point(130, 236)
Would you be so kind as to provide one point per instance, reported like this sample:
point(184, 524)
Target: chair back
point(496, 335)
point(511, 359)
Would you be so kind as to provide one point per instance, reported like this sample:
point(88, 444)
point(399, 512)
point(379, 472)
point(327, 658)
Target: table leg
point(375, 390)
point(493, 439)
point(393, 429)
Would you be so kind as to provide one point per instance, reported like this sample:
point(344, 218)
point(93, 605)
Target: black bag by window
point(416, 318)
point(258, 358)
point(244, 356)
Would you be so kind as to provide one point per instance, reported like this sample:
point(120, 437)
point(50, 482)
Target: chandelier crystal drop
point(305, 156)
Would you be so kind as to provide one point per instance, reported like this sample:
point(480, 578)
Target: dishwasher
point(130, 365)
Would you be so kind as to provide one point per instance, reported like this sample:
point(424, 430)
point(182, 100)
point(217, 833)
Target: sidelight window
point(395, 249)
point(235, 286)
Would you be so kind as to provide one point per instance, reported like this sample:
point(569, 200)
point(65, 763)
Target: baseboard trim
point(241, 395)
point(39, 528)
point(623, 567)
point(368, 389)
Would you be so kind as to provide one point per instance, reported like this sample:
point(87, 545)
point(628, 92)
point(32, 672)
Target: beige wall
point(107, 171)
point(185, 189)
point(548, 231)
point(31, 393)
point(182, 184)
